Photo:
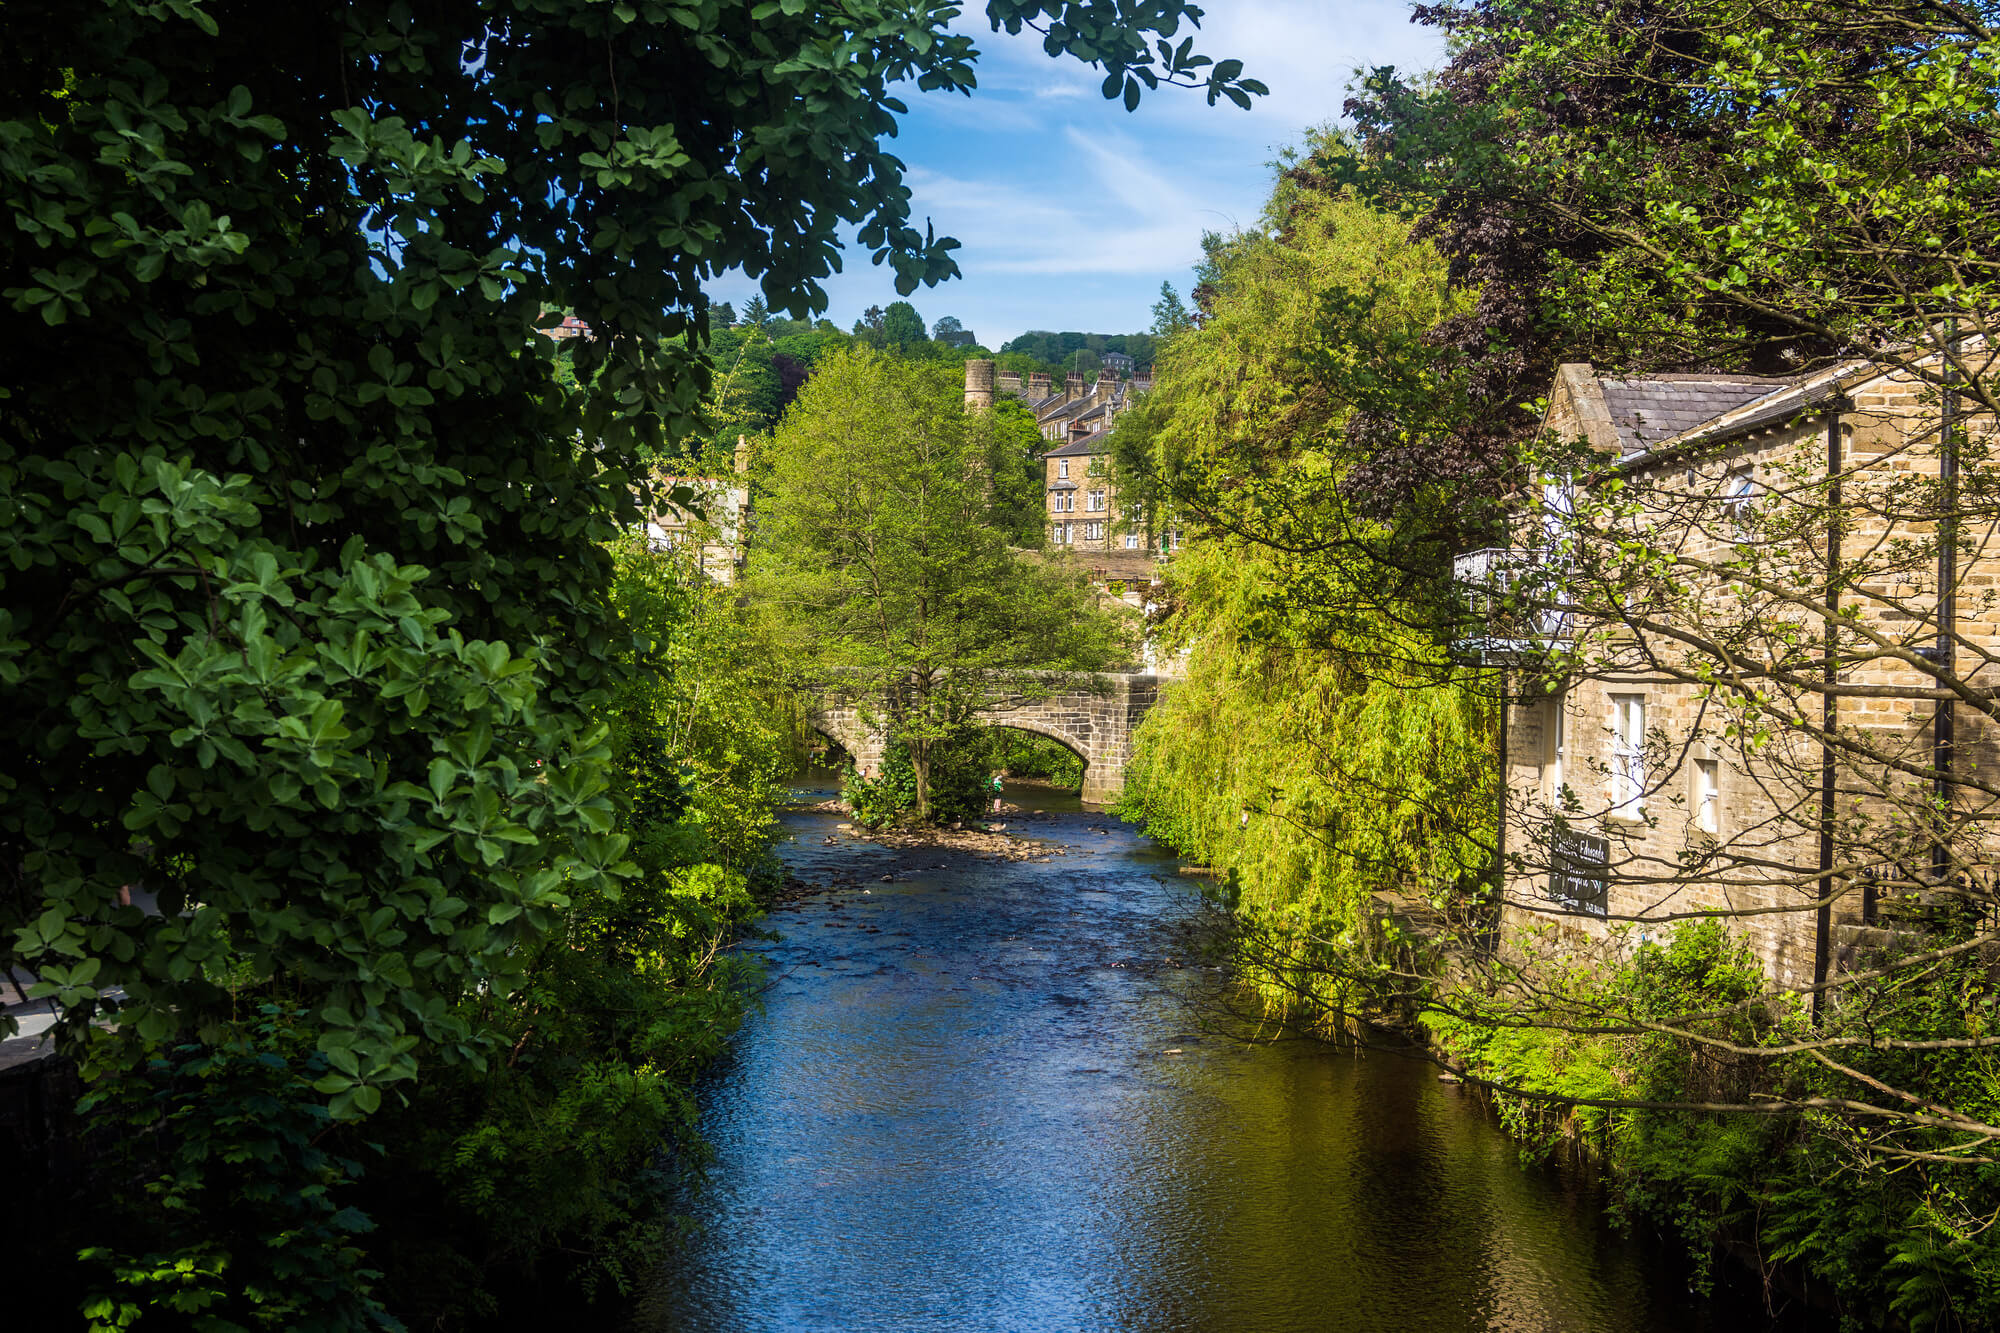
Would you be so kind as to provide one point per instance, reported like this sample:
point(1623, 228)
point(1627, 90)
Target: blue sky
point(1072, 211)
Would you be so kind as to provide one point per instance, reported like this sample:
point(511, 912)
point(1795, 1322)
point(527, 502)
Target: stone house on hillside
point(718, 531)
point(1731, 684)
point(1083, 510)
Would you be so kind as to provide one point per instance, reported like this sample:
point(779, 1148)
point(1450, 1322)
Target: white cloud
point(1115, 208)
point(1305, 51)
point(1070, 210)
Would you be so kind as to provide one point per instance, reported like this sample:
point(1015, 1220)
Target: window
point(1059, 533)
point(1069, 503)
point(1062, 468)
point(1628, 755)
point(1558, 512)
point(1097, 500)
point(1131, 541)
point(1739, 497)
point(1708, 795)
point(1093, 532)
point(1558, 765)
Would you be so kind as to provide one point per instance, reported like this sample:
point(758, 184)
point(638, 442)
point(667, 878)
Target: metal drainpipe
point(1500, 828)
point(1947, 616)
point(1829, 715)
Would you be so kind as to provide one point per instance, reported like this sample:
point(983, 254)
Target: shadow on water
point(980, 1096)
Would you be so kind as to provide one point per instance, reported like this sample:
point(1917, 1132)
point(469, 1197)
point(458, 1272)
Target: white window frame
point(1093, 531)
point(1739, 497)
point(1558, 512)
point(1062, 469)
point(1131, 541)
point(1628, 756)
point(1558, 736)
point(1706, 796)
point(1096, 500)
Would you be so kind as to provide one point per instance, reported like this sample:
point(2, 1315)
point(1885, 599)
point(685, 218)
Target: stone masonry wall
point(1760, 861)
point(1095, 716)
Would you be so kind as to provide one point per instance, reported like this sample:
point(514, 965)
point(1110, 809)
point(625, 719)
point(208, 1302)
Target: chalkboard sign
point(1580, 872)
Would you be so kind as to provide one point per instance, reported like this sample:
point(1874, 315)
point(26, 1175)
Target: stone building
point(1639, 788)
point(718, 530)
point(1083, 508)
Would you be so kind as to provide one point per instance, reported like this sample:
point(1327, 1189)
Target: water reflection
point(962, 1109)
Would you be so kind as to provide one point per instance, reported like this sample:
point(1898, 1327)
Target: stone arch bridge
point(1093, 715)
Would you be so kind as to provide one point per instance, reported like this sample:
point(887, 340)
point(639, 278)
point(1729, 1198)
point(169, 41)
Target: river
point(985, 1096)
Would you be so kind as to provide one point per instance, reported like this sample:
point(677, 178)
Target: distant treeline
point(762, 360)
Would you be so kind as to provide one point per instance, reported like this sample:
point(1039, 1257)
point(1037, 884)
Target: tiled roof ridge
point(1647, 410)
point(1076, 447)
point(1696, 377)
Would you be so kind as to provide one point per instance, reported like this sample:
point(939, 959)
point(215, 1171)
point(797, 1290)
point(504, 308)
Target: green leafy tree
point(1170, 314)
point(902, 326)
point(952, 333)
point(306, 598)
point(885, 566)
point(1014, 463)
point(868, 329)
point(1318, 749)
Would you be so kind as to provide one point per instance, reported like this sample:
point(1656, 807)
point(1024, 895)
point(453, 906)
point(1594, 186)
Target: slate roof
point(1660, 407)
point(1097, 442)
point(1081, 408)
point(1826, 391)
point(1066, 411)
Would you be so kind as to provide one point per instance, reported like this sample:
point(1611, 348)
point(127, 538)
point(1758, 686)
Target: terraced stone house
point(1775, 702)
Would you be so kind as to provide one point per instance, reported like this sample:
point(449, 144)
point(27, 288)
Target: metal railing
point(1511, 604)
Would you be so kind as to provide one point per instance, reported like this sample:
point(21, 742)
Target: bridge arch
point(1032, 728)
point(1093, 716)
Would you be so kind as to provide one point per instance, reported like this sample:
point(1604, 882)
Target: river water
point(989, 1096)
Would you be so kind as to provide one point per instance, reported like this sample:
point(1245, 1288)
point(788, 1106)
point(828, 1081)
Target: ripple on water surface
point(958, 1111)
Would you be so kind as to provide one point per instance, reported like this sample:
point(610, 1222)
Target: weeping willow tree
point(1318, 752)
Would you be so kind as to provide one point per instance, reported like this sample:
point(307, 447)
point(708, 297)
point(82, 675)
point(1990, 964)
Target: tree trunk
point(920, 764)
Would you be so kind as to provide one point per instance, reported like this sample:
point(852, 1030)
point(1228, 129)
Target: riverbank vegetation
point(1318, 749)
point(378, 816)
point(1658, 187)
point(543, 1170)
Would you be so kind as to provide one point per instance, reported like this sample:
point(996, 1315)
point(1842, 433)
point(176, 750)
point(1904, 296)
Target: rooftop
point(1649, 410)
point(1097, 442)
